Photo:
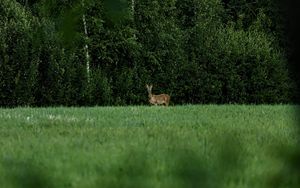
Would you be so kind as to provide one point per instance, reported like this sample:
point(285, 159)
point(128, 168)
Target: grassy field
point(139, 146)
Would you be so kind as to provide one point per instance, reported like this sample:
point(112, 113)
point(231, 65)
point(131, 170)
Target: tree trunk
point(132, 6)
point(86, 47)
point(132, 12)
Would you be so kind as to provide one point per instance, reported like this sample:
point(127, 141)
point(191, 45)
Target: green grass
point(181, 146)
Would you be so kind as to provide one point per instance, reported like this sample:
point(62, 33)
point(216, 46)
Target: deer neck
point(150, 95)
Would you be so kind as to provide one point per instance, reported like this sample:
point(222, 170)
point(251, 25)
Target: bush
point(19, 59)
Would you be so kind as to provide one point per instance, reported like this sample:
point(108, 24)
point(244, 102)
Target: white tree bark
point(86, 47)
point(132, 12)
point(132, 7)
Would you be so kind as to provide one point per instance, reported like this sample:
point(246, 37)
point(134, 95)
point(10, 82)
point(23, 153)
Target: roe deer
point(157, 99)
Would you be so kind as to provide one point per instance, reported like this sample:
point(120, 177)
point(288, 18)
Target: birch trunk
point(86, 47)
point(132, 7)
point(132, 12)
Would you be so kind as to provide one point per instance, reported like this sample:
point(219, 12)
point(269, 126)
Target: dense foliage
point(198, 51)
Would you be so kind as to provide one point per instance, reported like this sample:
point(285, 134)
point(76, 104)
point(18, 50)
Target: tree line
point(88, 52)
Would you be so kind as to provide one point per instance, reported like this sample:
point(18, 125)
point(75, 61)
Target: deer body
point(157, 99)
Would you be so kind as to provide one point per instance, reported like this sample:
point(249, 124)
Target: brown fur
point(157, 99)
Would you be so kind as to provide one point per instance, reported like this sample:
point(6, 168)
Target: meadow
point(141, 146)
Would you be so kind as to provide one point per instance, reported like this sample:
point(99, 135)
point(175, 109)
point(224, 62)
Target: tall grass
point(139, 146)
